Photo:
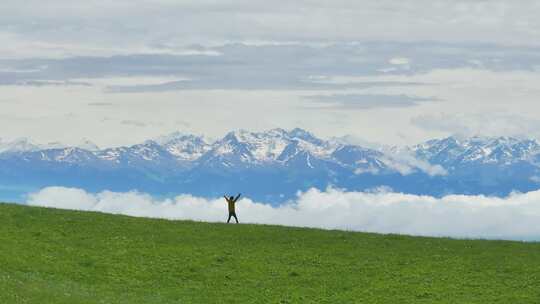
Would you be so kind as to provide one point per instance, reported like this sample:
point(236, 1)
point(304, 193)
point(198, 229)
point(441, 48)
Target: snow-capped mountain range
point(274, 165)
point(27, 145)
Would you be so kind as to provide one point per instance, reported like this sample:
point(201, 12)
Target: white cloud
point(400, 159)
point(368, 101)
point(111, 25)
point(22, 45)
point(130, 81)
point(399, 61)
point(133, 123)
point(486, 124)
point(515, 217)
point(406, 164)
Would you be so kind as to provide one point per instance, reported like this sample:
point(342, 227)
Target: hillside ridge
point(59, 256)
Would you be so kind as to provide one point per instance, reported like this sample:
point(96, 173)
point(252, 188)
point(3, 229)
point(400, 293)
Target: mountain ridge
point(277, 163)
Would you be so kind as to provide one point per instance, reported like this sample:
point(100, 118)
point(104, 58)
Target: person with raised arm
point(232, 204)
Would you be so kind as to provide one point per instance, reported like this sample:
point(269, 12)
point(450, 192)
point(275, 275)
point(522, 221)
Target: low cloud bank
point(515, 217)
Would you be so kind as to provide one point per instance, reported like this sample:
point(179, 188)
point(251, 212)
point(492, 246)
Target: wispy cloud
point(368, 101)
point(282, 67)
point(68, 28)
point(135, 123)
point(472, 124)
point(100, 104)
point(515, 217)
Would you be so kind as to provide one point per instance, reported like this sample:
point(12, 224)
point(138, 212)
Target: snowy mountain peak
point(184, 146)
point(304, 135)
point(294, 148)
point(281, 161)
point(179, 137)
point(68, 155)
point(269, 146)
point(477, 149)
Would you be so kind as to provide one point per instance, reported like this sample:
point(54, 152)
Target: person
point(232, 202)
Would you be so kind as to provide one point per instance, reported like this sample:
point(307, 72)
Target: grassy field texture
point(56, 256)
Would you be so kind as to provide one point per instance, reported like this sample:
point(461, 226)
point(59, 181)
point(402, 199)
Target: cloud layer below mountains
point(515, 217)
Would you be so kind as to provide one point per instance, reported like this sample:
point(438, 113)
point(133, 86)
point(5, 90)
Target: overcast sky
point(393, 72)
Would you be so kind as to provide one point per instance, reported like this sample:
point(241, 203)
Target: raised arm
point(237, 197)
point(226, 198)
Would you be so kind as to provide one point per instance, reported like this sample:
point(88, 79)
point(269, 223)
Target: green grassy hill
point(55, 256)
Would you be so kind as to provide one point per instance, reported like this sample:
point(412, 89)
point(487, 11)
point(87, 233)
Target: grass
point(56, 256)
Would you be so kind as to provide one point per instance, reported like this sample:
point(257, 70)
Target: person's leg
point(230, 215)
point(234, 214)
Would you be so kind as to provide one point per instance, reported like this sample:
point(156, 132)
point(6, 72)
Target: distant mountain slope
point(273, 165)
point(452, 152)
point(495, 166)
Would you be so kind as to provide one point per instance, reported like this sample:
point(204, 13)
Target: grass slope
point(55, 256)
